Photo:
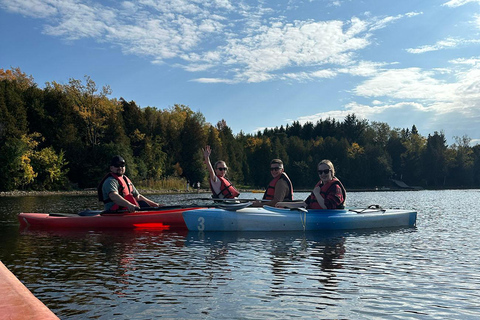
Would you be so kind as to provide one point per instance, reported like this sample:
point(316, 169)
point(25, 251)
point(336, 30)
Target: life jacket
point(312, 200)
point(125, 190)
point(226, 188)
point(270, 191)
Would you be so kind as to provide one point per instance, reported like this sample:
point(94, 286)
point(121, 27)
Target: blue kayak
point(280, 219)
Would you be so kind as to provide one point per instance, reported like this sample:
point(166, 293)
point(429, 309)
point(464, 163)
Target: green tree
point(232, 152)
point(49, 167)
point(412, 167)
point(395, 148)
point(434, 160)
point(13, 114)
point(463, 166)
point(192, 140)
point(16, 171)
point(92, 107)
point(353, 128)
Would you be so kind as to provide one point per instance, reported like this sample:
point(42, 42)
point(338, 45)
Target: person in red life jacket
point(219, 184)
point(329, 193)
point(279, 189)
point(117, 191)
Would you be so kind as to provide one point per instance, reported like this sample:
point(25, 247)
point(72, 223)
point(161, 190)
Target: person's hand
point(256, 203)
point(131, 207)
point(316, 190)
point(206, 152)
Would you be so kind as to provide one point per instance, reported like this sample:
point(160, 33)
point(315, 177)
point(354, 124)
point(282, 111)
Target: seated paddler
point(221, 187)
point(280, 187)
point(117, 192)
point(328, 193)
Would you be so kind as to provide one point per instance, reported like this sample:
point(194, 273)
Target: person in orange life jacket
point(329, 192)
point(279, 189)
point(219, 184)
point(117, 191)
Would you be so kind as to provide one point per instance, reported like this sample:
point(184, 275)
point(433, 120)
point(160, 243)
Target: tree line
point(64, 135)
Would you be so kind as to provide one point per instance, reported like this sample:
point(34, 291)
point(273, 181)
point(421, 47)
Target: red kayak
point(168, 217)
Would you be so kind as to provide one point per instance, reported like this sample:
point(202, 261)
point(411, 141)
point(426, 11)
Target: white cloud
point(466, 61)
point(251, 42)
point(403, 97)
point(477, 21)
point(364, 68)
point(410, 83)
point(325, 73)
point(458, 3)
point(443, 44)
point(31, 8)
point(385, 21)
point(301, 44)
point(363, 111)
point(213, 80)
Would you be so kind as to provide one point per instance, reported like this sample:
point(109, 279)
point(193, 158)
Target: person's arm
point(140, 197)
point(319, 198)
point(206, 155)
point(118, 199)
point(148, 201)
point(333, 198)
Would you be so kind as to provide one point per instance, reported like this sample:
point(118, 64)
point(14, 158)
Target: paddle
point(239, 199)
point(225, 199)
point(164, 208)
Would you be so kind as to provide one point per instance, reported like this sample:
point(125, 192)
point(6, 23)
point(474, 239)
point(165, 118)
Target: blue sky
point(260, 64)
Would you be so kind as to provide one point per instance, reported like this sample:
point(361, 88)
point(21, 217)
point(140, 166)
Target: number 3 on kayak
point(201, 224)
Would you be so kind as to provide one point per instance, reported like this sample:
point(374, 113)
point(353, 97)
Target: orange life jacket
point(226, 188)
point(270, 191)
point(125, 190)
point(312, 200)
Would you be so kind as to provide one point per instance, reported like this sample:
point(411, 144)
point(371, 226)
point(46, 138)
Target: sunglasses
point(222, 169)
point(119, 165)
point(275, 168)
point(326, 171)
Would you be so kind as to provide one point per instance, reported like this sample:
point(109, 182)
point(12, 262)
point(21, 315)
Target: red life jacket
point(226, 188)
point(312, 200)
point(270, 192)
point(125, 190)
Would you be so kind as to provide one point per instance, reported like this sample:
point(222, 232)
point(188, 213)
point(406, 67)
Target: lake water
point(428, 272)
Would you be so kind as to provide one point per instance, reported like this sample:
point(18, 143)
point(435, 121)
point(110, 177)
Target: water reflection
point(289, 254)
point(72, 268)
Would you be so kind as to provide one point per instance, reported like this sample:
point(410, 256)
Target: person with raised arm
point(220, 186)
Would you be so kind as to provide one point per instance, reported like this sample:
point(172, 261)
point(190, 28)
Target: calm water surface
point(428, 272)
